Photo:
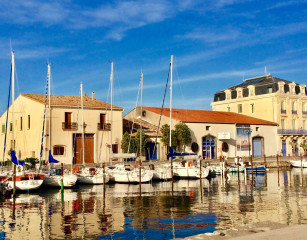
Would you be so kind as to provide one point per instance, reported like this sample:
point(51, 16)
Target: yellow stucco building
point(62, 129)
point(272, 99)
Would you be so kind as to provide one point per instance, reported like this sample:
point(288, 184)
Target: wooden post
point(140, 177)
point(289, 160)
point(14, 180)
point(301, 161)
point(264, 158)
point(104, 175)
point(252, 170)
point(277, 167)
point(200, 179)
point(62, 175)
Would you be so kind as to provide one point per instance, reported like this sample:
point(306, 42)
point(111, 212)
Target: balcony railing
point(283, 111)
point(104, 126)
point(69, 126)
point(292, 132)
point(294, 111)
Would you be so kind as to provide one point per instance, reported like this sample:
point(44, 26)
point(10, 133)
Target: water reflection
point(117, 211)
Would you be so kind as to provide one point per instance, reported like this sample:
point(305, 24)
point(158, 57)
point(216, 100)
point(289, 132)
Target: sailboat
point(20, 179)
point(53, 177)
point(89, 175)
point(122, 173)
point(189, 167)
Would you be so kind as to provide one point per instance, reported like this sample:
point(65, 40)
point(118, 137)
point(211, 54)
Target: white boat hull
point(298, 163)
point(69, 180)
point(26, 184)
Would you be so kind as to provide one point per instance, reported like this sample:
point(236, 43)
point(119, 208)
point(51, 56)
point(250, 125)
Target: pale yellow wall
point(268, 107)
point(153, 118)
point(29, 140)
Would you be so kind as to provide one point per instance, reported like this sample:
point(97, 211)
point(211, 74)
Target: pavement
point(263, 230)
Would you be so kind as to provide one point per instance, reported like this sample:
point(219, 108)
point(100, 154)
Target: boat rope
point(7, 117)
point(155, 147)
point(132, 127)
point(42, 141)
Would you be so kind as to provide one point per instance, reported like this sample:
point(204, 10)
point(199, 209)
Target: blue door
point(208, 147)
point(151, 151)
point(257, 147)
point(284, 148)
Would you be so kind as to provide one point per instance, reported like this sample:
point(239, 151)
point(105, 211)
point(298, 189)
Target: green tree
point(182, 136)
point(137, 142)
point(165, 135)
point(127, 143)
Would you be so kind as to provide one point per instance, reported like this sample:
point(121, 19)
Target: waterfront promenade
point(263, 231)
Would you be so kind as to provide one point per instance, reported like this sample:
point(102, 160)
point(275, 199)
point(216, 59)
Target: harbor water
point(156, 210)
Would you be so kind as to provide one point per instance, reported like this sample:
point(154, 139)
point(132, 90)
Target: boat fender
point(190, 164)
point(75, 169)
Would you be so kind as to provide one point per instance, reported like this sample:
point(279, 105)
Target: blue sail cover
point(15, 160)
point(176, 154)
point(51, 159)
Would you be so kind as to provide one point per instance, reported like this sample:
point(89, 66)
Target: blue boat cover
point(175, 154)
point(51, 159)
point(15, 160)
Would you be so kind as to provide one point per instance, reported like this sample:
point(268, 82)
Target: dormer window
point(269, 90)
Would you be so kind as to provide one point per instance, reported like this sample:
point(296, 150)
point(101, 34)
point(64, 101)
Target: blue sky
point(215, 43)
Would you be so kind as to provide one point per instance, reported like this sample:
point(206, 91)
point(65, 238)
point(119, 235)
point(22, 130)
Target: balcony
point(294, 111)
point(292, 132)
point(104, 126)
point(69, 126)
point(283, 111)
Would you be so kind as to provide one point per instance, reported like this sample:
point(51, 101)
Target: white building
point(216, 133)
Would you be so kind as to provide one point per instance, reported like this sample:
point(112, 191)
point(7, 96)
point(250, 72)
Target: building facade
point(61, 129)
point(272, 99)
point(215, 133)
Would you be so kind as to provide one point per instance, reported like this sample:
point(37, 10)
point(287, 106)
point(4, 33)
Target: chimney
point(93, 95)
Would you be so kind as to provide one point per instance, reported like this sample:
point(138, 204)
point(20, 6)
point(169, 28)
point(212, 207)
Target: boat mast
point(49, 82)
point(82, 124)
point(111, 117)
point(141, 117)
point(13, 99)
point(170, 107)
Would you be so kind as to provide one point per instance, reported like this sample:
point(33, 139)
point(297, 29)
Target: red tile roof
point(70, 101)
point(205, 116)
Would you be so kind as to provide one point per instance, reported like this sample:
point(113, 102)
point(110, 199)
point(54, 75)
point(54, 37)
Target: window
point(294, 124)
point(11, 127)
point(228, 109)
point(29, 121)
point(283, 124)
point(21, 123)
point(208, 128)
point(269, 90)
point(293, 106)
point(252, 108)
point(257, 129)
point(239, 108)
point(13, 144)
point(283, 107)
point(58, 150)
point(102, 119)
point(3, 128)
